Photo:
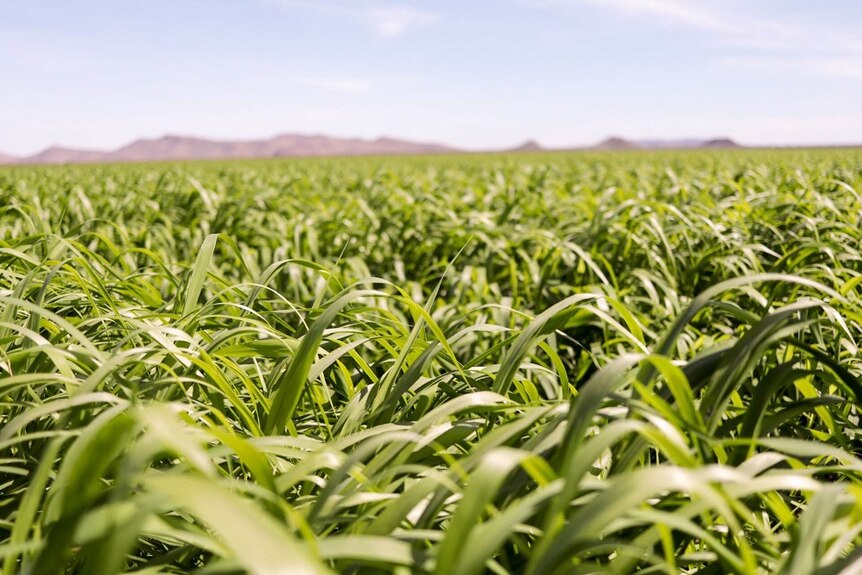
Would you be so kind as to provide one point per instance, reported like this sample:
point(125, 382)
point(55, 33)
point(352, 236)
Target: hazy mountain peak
point(528, 146)
point(720, 143)
point(62, 155)
point(7, 159)
point(615, 143)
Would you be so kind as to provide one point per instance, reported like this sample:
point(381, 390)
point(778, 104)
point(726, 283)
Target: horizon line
point(609, 143)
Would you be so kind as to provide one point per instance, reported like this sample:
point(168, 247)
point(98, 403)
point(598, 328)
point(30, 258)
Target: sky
point(478, 74)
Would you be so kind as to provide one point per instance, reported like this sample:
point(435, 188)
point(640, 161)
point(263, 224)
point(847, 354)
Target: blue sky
point(474, 73)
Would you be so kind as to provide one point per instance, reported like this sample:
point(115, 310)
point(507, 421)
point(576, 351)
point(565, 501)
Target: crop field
point(537, 363)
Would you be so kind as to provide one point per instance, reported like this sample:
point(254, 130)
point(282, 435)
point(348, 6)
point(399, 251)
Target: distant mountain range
point(191, 148)
point(169, 148)
point(617, 143)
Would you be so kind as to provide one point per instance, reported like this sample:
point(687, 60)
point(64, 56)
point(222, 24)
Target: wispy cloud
point(834, 67)
point(336, 84)
point(736, 26)
point(386, 19)
point(768, 43)
point(670, 10)
point(391, 21)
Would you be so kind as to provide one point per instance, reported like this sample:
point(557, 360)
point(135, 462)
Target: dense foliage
point(586, 363)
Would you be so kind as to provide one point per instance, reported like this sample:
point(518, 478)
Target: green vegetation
point(595, 363)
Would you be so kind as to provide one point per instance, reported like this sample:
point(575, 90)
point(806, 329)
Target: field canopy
point(584, 363)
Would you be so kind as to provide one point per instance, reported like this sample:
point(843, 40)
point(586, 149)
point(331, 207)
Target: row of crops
point(560, 363)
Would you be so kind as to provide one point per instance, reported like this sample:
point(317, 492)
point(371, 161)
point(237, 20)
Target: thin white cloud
point(735, 25)
point(385, 18)
point(336, 84)
point(392, 21)
point(670, 10)
point(769, 43)
point(826, 67)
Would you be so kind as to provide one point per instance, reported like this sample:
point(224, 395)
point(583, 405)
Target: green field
point(558, 363)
